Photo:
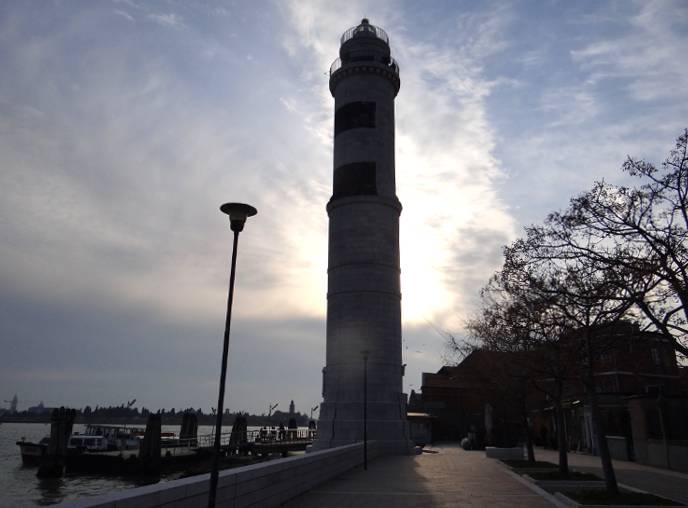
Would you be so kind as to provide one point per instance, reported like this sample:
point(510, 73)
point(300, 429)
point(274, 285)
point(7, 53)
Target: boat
point(32, 453)
point(118, 437)
point(84, 443)
point(94, 439)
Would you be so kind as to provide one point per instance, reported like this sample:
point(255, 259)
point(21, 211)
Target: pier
point(175, 453)
point(256, 442)
point(118, 450)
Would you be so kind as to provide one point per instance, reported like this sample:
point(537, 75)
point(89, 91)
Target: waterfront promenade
point(442, 476)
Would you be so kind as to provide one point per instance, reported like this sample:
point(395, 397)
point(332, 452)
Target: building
point(643, 400)
point(39, 409)
point(479, 395)
point(363, 371)
point(642, 393)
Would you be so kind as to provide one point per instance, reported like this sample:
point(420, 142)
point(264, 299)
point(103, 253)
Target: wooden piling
point(53, 462)
point(292, 432)
point(149, 452)
point(238, 436)
point(189, 429)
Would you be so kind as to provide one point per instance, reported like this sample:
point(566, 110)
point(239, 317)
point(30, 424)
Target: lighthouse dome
point(365, 29)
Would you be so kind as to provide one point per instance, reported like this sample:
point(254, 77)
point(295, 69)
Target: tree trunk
point(561, 439)
point(526, 427)
point(605, 457)
point(529, 440)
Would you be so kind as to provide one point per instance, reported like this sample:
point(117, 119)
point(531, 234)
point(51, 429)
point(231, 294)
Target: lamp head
point(238, 213)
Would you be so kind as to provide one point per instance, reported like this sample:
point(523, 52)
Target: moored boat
point(118, 437)
point(31, 453)
point(94, 439)
point(83, 443)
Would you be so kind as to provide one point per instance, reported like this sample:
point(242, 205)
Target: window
point(353, 116)
point(356, 179)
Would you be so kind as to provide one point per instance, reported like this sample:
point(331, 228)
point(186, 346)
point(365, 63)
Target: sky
point(125, 124)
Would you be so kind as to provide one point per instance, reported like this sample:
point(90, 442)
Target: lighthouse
point(362, 378)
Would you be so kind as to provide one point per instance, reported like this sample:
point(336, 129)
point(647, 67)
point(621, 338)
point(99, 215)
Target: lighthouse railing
point(375, 30)
point(392, 64)
point(336, 65)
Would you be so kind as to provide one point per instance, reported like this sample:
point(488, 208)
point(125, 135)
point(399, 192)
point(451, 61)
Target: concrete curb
point(562, 501)
point(570, 503)
point(542, 493)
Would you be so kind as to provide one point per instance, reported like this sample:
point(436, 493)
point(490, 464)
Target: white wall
point(267, 484)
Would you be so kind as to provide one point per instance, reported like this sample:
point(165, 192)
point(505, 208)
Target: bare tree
point(587, 299)
point(518, 320)
point(639, 236)
point(616, 253)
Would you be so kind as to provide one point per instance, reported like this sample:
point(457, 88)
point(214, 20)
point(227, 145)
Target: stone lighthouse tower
point(363, 359)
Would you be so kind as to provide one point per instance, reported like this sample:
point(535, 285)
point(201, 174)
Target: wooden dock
point(189, 452)
point(156, 453)
point(255, 442)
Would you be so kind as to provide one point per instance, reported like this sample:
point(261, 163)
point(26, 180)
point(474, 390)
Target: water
point(19, 487)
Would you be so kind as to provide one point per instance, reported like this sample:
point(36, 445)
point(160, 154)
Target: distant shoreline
point(228, 420)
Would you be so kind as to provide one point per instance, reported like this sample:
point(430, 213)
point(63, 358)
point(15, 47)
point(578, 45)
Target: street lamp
point(365, 409)
point(238, 213)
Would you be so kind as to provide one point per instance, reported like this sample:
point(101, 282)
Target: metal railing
point(392, 65)
point(336, 65)
point(365, 28)
point(250, 436)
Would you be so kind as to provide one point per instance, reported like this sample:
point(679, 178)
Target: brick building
point(478, 395)
point(642, 390)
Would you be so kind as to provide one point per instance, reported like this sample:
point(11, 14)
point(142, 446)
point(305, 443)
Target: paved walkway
point(663, 482)
point(442, 476)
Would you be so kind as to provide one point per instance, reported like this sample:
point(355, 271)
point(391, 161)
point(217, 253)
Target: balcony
point(392, 64)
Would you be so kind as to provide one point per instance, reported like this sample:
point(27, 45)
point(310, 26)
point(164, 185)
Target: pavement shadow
point(395, 480)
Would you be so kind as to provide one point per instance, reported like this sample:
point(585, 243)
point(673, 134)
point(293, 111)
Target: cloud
point(608, 86)
point(167, 19)
point(118, 146)
point(105, 352)
point(646, 56)
point(125, 15)
point(445, 170)
point(112, 194)
point(569, 106)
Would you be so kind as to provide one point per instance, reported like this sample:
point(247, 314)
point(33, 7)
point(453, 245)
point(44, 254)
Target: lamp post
point(238, 213)
point(365, 409)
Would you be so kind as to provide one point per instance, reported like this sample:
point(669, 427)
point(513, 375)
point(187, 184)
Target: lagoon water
point(19, 487)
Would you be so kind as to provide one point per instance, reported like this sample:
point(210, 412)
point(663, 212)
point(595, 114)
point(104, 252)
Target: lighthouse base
point(342, 423)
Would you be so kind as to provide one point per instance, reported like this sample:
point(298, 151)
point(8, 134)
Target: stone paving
point(663, 482)
point(442, 476)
